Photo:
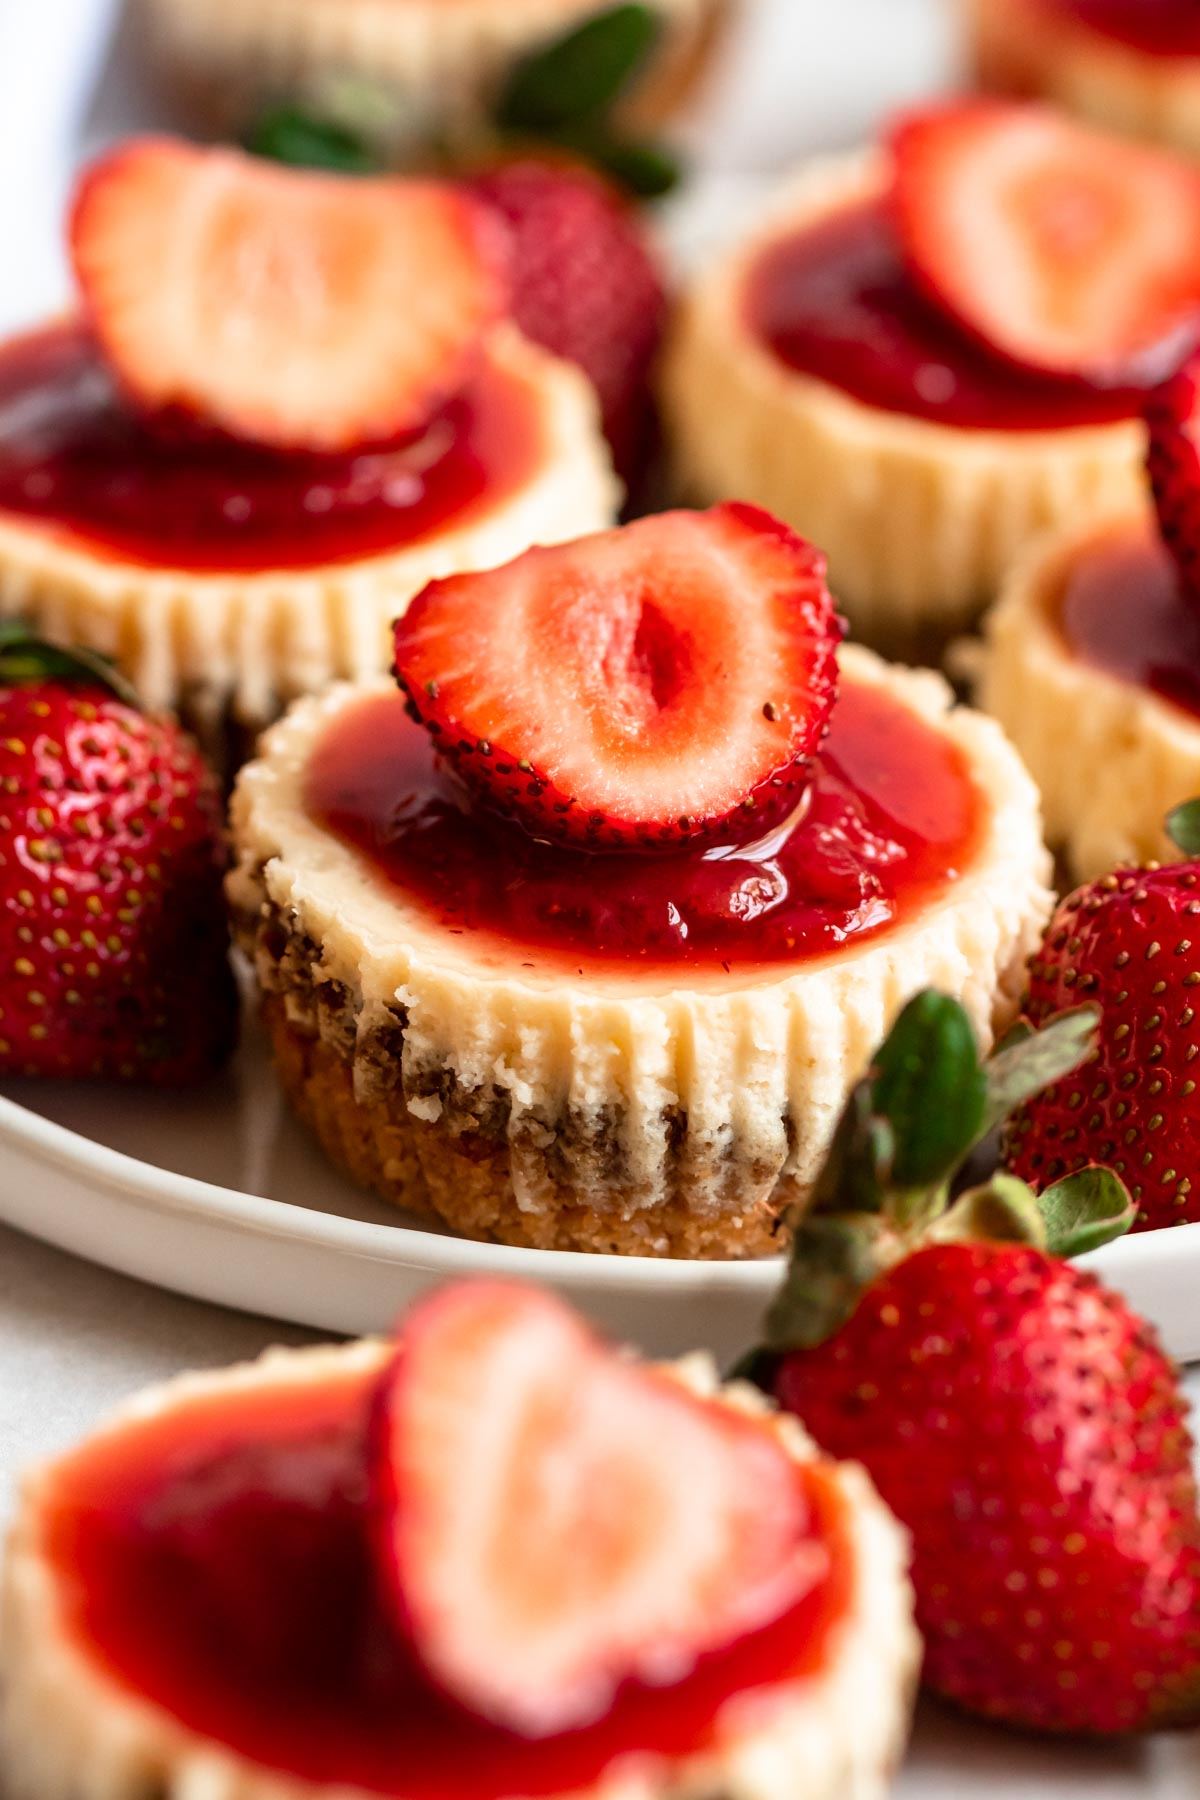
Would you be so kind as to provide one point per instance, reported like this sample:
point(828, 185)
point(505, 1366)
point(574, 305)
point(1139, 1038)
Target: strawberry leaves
point(581, 75)
point(893, 1178)
point(1183, 827)
point(25, 657)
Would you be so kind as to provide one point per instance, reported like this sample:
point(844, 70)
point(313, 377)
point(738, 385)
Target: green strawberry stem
point(1183, 827)
point(25, 657)
point(889, 1184)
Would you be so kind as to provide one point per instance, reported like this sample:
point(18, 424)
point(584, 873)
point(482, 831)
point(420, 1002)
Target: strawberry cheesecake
point(1132, 65)
point(580, 940)
point(408, 68)
point(928, 354)
point(1091, 659)
point(285, 402)
point(497, 1560)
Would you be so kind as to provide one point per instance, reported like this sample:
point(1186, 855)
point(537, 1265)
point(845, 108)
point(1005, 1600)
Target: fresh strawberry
point(1014, 1414)
point(587, 286)
point(557, 1521)
point(1173, 459)
point(1063, 249)
point(299, 310)
point(1130, 943)
point(664, 684)
point(113, 941)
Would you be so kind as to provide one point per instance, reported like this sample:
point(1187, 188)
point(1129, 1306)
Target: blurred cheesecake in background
point(920, 362)
point(1132, 65)
point(402, 70)
point(287, 401)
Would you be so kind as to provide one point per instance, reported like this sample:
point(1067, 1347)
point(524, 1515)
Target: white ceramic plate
point(222, 1196)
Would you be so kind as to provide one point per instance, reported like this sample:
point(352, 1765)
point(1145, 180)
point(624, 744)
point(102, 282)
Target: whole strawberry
point(1015, 1415)
point(1129, 942)
point(586, 287)
point(113, 944)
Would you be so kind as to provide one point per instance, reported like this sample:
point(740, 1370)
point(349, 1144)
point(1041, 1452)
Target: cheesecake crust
point(611, 1112)
point(920, 520)
point(1019, 47)
point(1111, 758)
point(229, 651)
point(69, 1729)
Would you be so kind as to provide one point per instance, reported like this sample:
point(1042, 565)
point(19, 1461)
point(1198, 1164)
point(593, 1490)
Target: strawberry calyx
point(25, 657)
point(897, 1176)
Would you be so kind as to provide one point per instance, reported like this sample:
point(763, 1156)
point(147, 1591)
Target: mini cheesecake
point(634, 1053)
point(1131, 65)
point(810, 373)
point(226, 579)
point(412, 68)
point(193, 1601)
point(1091, 662)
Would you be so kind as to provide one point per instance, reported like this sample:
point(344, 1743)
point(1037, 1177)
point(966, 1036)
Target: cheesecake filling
point(833, 300)
point(1121, 606)
point(251, 1509)
point(75, 458)
point(889, 822)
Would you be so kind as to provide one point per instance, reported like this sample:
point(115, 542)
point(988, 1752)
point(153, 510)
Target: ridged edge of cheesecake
point(246, 644)
point(1110, 758)
point(68, 1729)
point(920, 520)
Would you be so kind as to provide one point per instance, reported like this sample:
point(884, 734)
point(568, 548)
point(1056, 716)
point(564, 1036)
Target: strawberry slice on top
point(299, 310)
point(1066, 251)
point(663, 684)
point(557, 1520)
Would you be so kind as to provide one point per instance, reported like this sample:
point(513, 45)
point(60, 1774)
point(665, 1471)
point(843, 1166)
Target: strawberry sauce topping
point(74, 455)
point(889, 820)
point(834, 301)
point(251, 1511)
point(1123, 608)
point(1157, 27)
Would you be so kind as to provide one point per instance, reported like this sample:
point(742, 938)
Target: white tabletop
point(74, 1340)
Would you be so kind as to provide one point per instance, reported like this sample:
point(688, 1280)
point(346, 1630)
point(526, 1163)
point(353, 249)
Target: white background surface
point(73, 1339)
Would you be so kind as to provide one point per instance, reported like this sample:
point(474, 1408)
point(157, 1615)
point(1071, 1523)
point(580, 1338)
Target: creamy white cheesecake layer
point(68, 1730)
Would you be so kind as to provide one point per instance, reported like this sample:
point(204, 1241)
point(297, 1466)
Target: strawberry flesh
point(557, 1521)
point(1064, 250)
point(1173, 461)
point(664, 684)
point(290, 308)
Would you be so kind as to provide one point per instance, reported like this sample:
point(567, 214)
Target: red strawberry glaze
point(249, 1510)
point(890, 819)
point(1156, 27)
point(834, 301)
point(75, 456)
point(1123, 608)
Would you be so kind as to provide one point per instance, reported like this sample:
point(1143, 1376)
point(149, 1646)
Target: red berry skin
point(587, 287)
point(1130, 943)
point(1173, 464)
point(113, 940)
point(1030, 1434)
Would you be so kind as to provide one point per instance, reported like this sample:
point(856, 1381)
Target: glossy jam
point(890, 819)
point(834, 301)
point(75, 456)
point(1157, 27)
point(1123, 608)
point(218, 1563)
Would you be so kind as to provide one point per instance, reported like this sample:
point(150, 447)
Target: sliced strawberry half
point(558, 1520)
point(1063, 249)
point(299, 310)
point(1173, 460)
point(661, 684)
